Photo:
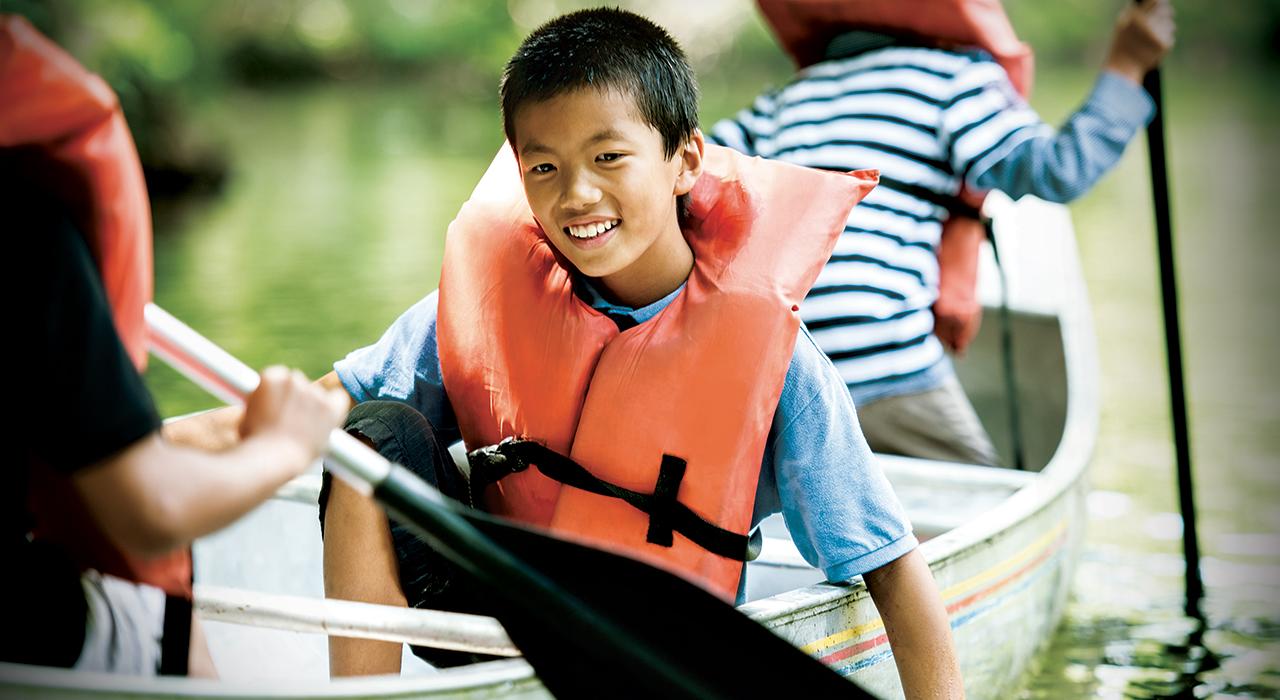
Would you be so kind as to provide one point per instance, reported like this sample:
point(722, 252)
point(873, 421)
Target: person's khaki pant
point(937, 424)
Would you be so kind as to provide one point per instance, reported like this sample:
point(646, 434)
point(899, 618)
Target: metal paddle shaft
point(1173, 344)
point(592, 623)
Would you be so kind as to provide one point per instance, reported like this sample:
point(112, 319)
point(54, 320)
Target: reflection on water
point(333, 220)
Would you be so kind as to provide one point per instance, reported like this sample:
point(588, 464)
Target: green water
point(332, 223)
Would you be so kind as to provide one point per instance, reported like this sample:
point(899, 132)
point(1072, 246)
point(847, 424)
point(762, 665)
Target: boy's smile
point(600, 185)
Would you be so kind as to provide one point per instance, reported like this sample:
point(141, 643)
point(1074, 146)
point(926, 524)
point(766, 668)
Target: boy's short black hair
point(605, 48)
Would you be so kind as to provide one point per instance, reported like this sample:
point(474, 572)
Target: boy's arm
point(917, 626)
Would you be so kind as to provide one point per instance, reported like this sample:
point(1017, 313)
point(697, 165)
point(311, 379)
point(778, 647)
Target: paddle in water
point(591, 622)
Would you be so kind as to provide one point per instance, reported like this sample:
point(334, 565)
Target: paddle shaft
point(1173, 344)
point(520, 589)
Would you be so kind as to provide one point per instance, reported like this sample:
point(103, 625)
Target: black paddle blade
point(706, 638)
point(677, 640)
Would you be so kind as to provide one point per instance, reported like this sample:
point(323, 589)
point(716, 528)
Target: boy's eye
point(543, 168)
point(608, 157)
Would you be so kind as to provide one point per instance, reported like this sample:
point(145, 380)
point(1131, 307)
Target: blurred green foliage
point(162, 56)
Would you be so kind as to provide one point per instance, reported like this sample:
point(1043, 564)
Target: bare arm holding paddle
point(220, 429)
point(155, 495)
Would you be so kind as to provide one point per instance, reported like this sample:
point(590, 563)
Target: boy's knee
point(402, 435)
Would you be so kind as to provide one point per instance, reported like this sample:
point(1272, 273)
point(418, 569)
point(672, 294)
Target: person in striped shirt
point(931, 120)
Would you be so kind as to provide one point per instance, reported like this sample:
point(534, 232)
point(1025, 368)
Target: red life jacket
point(806, 27)
point(522, 356)
point(72, 120)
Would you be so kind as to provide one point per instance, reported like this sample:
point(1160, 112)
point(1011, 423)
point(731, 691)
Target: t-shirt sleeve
point(841, 511)
point(404, 365)
point(85, 398)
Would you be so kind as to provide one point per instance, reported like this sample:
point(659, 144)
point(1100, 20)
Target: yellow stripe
point(954, 591)
point(1013, 562)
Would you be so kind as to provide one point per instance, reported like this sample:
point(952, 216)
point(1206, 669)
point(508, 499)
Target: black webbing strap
point(175, 644)
point(1006, 353)
point(953, 204)
point(667, 515)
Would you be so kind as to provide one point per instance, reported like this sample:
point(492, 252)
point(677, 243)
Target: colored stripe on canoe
point(866, 644)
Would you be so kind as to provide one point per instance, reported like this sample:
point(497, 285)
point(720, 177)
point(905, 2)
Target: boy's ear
point(690, 155)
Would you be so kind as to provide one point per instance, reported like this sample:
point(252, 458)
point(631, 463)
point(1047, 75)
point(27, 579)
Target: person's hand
point(956, 321)
point(300, 415)
point(1143, 35)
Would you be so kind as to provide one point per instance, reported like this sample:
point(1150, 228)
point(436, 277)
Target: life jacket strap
point(667, 515)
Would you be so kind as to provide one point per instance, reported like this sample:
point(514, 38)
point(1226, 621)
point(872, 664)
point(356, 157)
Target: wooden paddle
point(592, 623)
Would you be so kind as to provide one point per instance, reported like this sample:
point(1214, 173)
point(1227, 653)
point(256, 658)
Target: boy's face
point(603, 190)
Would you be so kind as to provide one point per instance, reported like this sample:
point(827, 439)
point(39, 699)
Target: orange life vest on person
point(71, 122)
point(806, 27)
point(522, 356)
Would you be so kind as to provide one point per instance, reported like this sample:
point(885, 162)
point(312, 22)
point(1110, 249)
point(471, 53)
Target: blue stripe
point(859, 70)
point(897, 239)
point(973, 125)
point(864, 116)
point(900, 212)
point(878, 349)
point(854, 257)
point(827, 290)
point(850, 669)
point(891, 377)
point(903, 92)
point(836, 321)
point(941, 166)
point(977, 159)
point(971, 92)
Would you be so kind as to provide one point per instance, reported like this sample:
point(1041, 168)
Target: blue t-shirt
point(817, 469)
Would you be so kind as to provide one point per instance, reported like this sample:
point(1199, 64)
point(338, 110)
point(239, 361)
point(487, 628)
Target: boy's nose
point(580, 192)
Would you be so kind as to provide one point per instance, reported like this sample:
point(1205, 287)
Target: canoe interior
point(1040, 379)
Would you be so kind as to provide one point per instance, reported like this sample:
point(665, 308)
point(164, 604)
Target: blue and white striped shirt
point(930, 119)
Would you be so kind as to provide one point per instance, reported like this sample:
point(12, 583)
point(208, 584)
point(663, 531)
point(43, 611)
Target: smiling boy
point(626, 295)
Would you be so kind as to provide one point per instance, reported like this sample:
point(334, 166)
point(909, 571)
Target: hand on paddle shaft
point(293, 413)
point(592, 623)
point(1143, 35)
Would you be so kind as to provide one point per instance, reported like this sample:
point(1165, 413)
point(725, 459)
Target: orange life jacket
point(72, 121)
point(523, 356)
point(806, 27)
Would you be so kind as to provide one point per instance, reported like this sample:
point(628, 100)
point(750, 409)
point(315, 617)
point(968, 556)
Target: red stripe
point(832, 659)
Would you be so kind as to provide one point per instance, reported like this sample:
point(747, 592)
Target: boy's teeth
point(591, 230)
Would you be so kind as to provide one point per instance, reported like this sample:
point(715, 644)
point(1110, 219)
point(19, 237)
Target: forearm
point(157, 496)
point(918, 628)
point(1061, 166)
point(212, 431)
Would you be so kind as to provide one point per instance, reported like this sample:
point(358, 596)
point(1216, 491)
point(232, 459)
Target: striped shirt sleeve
point(1063, 166)
point(751, 131)
point(985, 119)
point(996, 141)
